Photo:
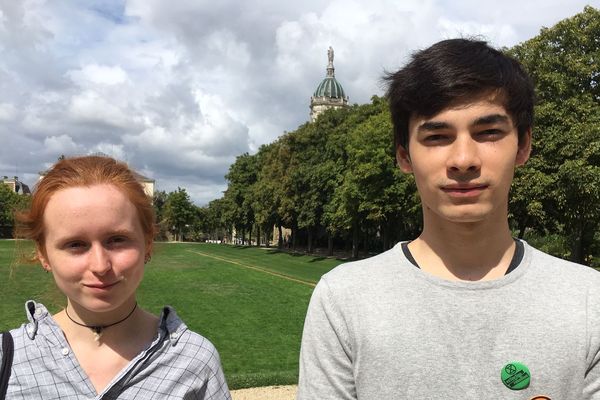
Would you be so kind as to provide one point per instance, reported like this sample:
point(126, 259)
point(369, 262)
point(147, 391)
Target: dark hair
point(455, 70)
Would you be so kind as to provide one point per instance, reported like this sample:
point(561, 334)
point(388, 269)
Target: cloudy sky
point(179, 88)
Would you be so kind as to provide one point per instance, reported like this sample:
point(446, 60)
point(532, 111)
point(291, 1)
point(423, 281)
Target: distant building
point(329, 93)
point(147, 183)
point(16, 185)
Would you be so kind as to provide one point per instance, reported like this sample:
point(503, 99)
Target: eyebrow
point(491, 119)
point(116, 232)
point(431, 126)
point(124, 232)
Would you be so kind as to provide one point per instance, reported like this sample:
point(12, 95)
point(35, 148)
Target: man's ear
point(524, 148)
point(403, 160)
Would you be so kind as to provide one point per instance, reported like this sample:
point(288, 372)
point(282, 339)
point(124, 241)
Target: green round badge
point(515, 376)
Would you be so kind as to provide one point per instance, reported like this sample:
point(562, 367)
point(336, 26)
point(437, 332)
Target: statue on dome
point(330, 54)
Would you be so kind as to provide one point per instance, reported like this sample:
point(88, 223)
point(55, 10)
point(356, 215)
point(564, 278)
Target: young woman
point(93, 227)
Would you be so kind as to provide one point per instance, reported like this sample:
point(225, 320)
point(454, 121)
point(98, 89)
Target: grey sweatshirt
point(381, 328)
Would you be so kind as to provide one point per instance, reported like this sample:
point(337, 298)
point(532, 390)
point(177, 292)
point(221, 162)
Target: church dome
point(330, 87)
point(329, 93)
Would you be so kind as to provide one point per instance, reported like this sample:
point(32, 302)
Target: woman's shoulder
point(187, 343)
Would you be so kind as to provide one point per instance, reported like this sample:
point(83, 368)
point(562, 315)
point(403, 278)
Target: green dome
point(331, 88)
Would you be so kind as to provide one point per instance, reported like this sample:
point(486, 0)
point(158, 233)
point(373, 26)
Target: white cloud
point(56, 145)
point(95, 74)
point(178, 89)
point(117, 151)
point(7, 112)
point(91, 107)
point(495, 34)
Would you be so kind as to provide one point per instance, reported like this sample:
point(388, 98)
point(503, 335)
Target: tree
point(9, 203)
point(373, 199)
point(242, 176)
point(266, 192)
point(563, 61)
point(158, 201)
point(217, 227)
point(179, 212)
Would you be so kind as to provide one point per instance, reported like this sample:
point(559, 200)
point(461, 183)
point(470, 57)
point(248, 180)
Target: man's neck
point(464, 251)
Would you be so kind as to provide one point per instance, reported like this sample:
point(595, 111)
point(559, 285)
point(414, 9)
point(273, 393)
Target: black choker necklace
point(98, 329)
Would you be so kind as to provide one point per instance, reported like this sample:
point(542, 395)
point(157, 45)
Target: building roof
point(330, 87)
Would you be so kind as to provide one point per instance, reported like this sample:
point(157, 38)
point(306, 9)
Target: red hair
point(85, 171)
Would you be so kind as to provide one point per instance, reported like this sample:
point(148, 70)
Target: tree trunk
point(268, 236)
point(329, 244)
point(355, 239)
point(309, 239)
point(578, 244)
point(257, 235)
point(294, 229)
point(523, 227)
point(347, 243)
point(280, 241)
point(366, 243)
point(386, 237)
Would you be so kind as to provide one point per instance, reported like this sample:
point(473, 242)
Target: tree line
point(334, 182)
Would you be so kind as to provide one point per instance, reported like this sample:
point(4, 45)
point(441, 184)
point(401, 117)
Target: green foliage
point(179, 212)
point(9, 203)
point(158, 201)
point(239, 194)
point(559, 190)
point(337, 176)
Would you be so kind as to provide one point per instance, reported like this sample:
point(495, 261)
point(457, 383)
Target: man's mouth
point(464, 190)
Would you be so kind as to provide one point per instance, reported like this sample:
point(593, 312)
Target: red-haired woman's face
point(94, 246)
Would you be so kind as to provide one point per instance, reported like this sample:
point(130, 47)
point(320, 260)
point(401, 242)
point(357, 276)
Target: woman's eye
point(117, 240)
point(75, 246)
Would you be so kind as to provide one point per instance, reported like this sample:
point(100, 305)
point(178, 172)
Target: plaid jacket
point(178, 364)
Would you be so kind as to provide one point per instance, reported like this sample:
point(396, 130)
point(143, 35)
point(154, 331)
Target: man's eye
point(491, 132)
point(435, 138)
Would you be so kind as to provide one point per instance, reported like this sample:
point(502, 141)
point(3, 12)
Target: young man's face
point(463, 160)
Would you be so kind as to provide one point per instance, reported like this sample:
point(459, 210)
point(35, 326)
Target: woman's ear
point(403, 160)
point(43, 259)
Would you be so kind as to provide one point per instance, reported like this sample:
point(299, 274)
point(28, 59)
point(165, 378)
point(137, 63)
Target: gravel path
point(266, 393)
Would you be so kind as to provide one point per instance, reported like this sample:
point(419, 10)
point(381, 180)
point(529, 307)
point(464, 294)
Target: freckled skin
point(95, 247)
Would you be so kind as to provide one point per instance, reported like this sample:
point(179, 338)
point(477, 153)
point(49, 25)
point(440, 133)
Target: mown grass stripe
point(266, 271)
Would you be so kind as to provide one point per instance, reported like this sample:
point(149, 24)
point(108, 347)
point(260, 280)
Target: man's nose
point(464, 155)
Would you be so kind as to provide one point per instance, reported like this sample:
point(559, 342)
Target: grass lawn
point(249, 302)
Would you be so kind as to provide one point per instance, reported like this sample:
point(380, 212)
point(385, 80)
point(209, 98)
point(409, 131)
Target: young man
point(464, 311)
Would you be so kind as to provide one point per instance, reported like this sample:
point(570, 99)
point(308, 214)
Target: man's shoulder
point(366, 271)
point(560, 269)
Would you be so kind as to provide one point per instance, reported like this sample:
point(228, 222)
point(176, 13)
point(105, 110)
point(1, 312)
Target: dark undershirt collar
point(514, 263)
